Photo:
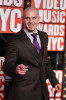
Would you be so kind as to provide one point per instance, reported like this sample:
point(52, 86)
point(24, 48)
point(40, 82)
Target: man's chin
point(30, 30)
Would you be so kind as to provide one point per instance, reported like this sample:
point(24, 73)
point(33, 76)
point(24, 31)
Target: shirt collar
point(29, 33)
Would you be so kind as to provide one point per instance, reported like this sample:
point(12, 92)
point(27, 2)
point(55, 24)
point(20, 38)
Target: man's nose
point(31, 20)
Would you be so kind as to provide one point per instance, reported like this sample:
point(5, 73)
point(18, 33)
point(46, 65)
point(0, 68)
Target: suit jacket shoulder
point(15, 37)
point(44, 33)
point(43, 36)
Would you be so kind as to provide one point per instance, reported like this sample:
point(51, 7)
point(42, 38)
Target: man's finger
point(23, 66)
point(24, 69)
point(22, 73)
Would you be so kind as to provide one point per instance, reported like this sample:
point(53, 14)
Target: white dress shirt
point(31, 38)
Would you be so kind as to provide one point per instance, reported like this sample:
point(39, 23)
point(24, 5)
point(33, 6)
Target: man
point(29, 66)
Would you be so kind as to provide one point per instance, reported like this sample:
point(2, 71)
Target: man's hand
point(57, 88)
point(21, 69)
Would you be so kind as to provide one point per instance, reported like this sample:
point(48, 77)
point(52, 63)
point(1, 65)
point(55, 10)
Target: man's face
point(31, 20)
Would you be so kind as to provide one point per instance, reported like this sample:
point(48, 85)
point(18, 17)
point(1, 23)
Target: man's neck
point(29, 31)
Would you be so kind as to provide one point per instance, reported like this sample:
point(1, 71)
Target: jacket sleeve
point(50, 74)
point(49, 71)
point(9, 66)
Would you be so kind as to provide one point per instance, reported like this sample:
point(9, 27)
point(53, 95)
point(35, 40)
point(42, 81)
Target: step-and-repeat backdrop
point(52, 21)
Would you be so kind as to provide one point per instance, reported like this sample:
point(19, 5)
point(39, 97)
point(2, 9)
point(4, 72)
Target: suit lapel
point(29, 45)
point(41, 43)
point(43, 38)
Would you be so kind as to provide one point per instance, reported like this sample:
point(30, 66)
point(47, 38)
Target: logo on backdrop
point(11, 12)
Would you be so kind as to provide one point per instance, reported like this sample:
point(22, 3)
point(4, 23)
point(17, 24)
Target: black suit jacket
point(20, 50)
